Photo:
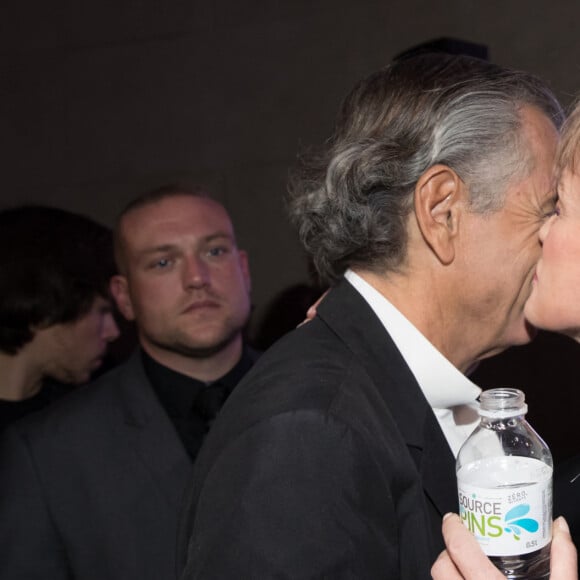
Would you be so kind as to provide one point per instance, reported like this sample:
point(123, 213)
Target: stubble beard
point(185, 345)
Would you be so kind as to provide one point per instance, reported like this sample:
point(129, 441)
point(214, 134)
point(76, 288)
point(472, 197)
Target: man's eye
point(217, 251)
point(554, 209)
point(161, 264)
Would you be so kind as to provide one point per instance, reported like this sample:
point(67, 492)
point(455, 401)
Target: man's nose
point(195, 273)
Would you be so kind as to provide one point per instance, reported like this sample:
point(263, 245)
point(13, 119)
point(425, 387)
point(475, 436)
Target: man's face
point(186, 283)
point(553, 303)
point(78, 348)
point(502, 249)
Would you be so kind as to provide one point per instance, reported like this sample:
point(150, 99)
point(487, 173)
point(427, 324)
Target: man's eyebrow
point(158, 249)
point(172, 247)
point(219, 235)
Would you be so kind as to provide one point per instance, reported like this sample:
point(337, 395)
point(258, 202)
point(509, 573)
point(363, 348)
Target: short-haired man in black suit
point(91, 488)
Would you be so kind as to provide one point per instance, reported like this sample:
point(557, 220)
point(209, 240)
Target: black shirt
point(192, 404)
point(51, 391)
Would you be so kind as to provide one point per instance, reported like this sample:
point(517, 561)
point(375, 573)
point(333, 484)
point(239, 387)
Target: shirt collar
point(443, 385)
point(177, 392)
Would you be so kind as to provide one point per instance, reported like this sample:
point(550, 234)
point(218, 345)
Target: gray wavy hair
point(351, 203)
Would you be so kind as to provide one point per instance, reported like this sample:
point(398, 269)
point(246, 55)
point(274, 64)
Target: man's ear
point(439, 196)
point(120, 291)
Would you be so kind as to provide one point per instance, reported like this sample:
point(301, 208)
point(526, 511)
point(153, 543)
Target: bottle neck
point(502, 423)
point(502, 403)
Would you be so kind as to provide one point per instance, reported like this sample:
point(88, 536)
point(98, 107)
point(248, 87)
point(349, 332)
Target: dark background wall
point(103, 99)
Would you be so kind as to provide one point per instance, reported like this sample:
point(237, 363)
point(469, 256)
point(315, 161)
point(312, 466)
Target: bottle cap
point(502, 403)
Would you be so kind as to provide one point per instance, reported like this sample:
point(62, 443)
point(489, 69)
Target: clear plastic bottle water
point(504, 480)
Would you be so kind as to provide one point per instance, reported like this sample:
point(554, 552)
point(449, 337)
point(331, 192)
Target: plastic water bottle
point(504, 480)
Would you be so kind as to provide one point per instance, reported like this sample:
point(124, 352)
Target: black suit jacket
point(91, 488)
point(326, 462)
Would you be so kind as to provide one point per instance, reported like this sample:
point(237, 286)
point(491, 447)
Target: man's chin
point(202, 347)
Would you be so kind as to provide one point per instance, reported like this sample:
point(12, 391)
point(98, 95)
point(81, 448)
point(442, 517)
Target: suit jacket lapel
point(349, 315)
point(151, 434)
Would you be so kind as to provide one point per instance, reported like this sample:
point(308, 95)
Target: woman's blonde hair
point(569, 148)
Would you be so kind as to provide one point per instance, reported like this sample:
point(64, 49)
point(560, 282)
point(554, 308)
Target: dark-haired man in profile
point(55, 306)
point(335, 456)
point(91, 489)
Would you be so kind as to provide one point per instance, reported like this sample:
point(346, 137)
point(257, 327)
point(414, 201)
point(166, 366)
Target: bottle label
point(507, 503)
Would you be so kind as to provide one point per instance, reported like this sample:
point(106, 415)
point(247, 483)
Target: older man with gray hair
point(335, 456)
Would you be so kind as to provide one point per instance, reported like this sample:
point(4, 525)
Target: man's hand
point(464, 559)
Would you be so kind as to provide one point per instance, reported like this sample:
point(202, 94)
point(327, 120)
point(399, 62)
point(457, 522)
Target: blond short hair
point(569, 148)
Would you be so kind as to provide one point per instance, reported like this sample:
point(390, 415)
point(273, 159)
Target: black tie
point(209, 401)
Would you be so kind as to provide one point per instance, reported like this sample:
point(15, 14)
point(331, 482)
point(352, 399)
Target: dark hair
point(53, 265)
point(351, 203)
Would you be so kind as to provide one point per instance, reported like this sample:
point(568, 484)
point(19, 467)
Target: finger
point(444, 568)
point(466, 553)
point(311, 312)
point(563, 553)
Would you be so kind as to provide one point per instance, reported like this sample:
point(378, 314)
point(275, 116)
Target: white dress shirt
point(451, 395)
